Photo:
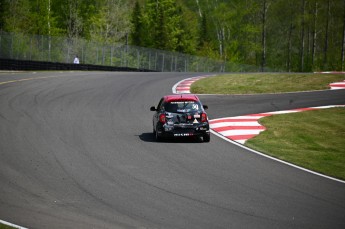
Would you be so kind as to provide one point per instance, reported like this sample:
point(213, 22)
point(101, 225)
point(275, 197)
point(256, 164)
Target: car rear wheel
point(158, 138)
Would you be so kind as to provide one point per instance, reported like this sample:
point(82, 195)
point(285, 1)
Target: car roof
point(181, 97)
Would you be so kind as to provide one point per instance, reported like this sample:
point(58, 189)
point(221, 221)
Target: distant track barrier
point(53, 49)
point(9, 64)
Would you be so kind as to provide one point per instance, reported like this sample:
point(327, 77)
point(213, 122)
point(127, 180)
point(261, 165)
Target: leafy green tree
point(137, 29)
point(112, 22)
point(164, 27)
point(87, 10)
point(203, 31)
point(17, 16)
point(342, 62)
point(187, 39)
point(3, 6)
point(42, 18)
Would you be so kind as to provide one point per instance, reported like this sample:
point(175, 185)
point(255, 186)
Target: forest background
point(293, 36)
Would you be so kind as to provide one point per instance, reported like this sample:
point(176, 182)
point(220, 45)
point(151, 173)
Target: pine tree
point(137, 32)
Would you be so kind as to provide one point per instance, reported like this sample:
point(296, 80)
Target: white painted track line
point(11, 225)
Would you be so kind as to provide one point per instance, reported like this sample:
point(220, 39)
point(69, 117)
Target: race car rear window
point(183, 106)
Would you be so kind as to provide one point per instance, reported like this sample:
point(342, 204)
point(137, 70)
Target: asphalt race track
point(76, 151)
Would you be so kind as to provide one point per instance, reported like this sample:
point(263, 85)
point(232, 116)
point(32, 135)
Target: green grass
point(312, 139)
point(252, 83)
point(2, 226)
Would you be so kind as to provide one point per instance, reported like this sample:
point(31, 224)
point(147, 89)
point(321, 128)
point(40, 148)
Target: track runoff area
point(238, 129)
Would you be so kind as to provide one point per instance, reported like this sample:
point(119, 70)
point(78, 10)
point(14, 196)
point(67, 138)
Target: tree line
point(294, 35)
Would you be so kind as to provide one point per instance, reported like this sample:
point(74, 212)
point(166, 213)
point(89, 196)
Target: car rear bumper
point(173, 132)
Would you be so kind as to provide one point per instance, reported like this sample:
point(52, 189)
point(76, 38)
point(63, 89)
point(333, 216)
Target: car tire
point(158, 138)
point(206, 137)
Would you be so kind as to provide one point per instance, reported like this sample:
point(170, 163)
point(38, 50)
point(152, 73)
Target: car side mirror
point(205, 107)
point(152, 108)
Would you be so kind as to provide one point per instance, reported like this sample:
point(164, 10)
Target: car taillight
point(203, 117)
point(162, 118)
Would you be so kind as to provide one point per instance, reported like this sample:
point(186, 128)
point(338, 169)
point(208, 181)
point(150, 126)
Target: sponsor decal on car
point(183, 134)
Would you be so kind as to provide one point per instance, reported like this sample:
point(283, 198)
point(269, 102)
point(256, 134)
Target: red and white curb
point(242, 128)
point(331, 72)
point(337, 85)
point(183, 87)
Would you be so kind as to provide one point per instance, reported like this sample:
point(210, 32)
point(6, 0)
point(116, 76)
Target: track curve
point(77, 152)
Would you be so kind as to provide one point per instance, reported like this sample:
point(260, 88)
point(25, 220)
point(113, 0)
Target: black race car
point(180, 115)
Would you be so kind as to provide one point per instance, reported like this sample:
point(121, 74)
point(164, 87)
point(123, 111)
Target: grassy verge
point(2, 226)
point(251, 83)
point(311, 139)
